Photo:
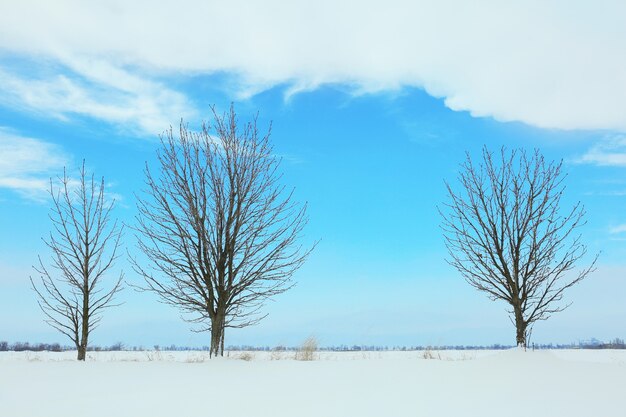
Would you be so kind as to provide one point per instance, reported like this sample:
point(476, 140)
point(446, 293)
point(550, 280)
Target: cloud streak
point(98, 90)
point(607, 152)
point(550, 64)
point(27, 164)
point(619, 229)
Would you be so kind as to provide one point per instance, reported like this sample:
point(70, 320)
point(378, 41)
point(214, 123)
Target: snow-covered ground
point(382, 384)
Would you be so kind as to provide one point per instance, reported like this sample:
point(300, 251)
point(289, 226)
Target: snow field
point(461, 383)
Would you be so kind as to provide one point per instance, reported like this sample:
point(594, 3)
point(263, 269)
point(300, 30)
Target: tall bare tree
point(507, 235)
point(219, 231)
point(84, 245)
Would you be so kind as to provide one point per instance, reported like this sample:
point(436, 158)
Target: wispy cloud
point(27, 164)
point(618, 229)
point(552, 64)
point(607, 152)
point(98, 90)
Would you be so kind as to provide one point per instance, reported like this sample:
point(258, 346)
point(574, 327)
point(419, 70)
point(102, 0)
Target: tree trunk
point(81, 352)
point(217, 336)
point(520, 328)
point(82, 349)
point(222, 345)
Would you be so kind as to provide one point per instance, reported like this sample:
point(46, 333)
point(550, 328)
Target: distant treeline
point(56, 347)
point(51, 347)
point(593, 344)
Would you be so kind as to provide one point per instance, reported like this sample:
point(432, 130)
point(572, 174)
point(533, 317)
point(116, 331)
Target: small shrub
point(277, 353)
point(197, 358)
point(429, 354)
point(246, 356)
point(307, 350)
point(154, 355)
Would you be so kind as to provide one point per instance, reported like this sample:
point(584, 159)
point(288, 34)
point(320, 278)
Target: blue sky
point(369, 124)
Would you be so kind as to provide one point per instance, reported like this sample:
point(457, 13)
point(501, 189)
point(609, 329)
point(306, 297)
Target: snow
point(456, 383)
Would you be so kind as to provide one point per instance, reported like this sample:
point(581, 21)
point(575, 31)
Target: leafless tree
point(218, 230)
point(507, 235)
point(84, 245)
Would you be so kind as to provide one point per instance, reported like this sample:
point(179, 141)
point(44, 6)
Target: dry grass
point(278, 353)
point(154, 355)
point(197, 358)
point(307, 350)
point(429, 353)
point(245, 356)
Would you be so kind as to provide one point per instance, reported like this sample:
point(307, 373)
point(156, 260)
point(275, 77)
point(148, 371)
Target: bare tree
point(220, 232)
point(507, 236)
point(84, 246)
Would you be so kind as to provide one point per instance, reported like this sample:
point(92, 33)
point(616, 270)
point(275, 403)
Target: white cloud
point(608, 152)
point(555, 64)
point(102, 91)
point(617, 229)
point(26, 164)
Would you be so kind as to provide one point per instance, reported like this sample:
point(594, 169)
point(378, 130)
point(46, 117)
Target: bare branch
point(219, 230)
point(84, 246)
point(507, 236)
